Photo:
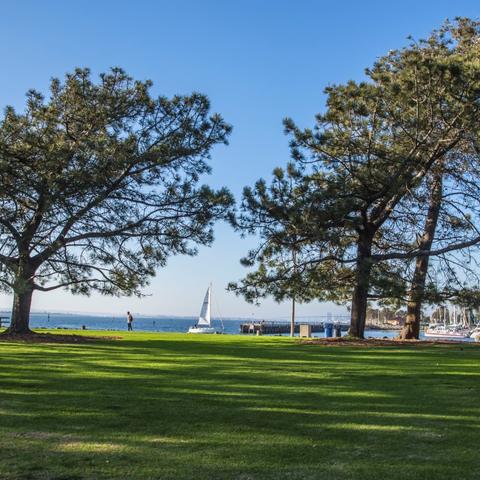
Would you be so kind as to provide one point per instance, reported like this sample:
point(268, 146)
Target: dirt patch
point(379, 342)
point(53, 338)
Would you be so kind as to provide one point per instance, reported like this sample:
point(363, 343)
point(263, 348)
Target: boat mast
point(210, 305)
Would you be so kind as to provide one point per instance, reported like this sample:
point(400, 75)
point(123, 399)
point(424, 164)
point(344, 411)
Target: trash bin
point(328, 330)
point(337, 331)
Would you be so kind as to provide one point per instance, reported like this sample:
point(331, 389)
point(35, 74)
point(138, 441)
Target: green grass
point(173, 406)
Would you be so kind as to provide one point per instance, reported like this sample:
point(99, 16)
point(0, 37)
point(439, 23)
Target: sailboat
point(451, 329)
point(204, 324)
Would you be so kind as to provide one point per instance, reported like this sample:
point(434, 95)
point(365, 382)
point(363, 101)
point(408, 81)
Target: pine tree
point(100, 185)
point(376, 143)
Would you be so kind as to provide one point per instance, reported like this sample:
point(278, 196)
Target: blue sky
point(258, 61)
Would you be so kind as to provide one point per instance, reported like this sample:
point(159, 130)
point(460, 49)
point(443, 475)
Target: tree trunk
point(22, 302)
point(416, 293)
point(360, 292)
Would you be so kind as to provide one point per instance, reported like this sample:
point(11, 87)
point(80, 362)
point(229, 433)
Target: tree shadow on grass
point(232, 409)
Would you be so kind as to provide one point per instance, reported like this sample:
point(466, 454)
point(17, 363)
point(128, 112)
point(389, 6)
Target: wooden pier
point(278, 328)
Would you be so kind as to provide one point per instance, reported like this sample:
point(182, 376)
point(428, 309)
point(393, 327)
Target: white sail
point(204, 317)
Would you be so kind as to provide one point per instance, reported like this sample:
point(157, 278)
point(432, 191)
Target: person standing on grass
point(129, 321)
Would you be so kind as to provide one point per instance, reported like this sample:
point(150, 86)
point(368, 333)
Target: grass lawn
point(173, 406)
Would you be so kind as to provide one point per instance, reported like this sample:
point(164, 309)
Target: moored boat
point(450, 324)
point(475, 334)
point(446, 331)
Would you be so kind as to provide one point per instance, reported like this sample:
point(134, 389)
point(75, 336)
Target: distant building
point(385, 317)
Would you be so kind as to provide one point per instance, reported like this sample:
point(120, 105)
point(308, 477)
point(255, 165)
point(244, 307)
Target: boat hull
point(446, 334)
point(204, 330)
point(475, 335)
